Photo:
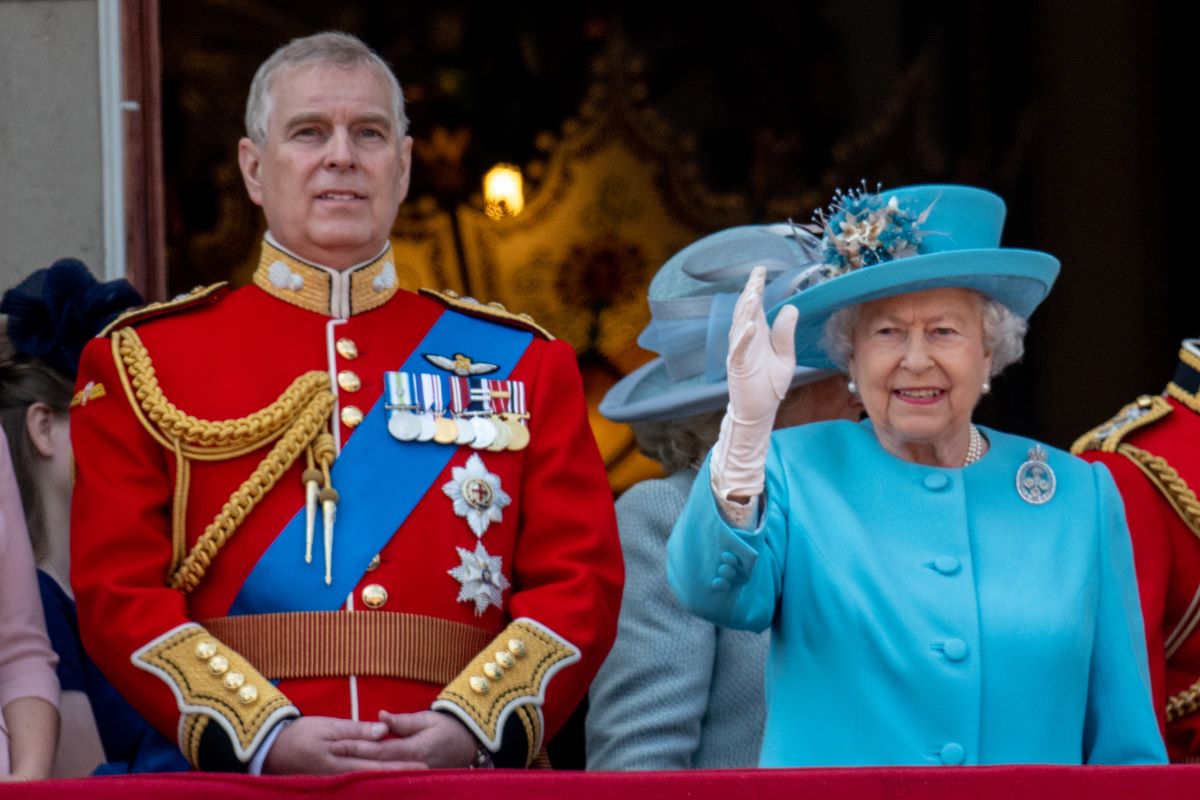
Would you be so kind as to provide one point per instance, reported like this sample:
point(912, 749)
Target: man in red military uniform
point(1152, 448)
point(325, 524)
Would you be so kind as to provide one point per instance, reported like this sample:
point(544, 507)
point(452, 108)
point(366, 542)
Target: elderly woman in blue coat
point(937, 592)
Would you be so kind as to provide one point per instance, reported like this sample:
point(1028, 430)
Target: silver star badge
point(476, 494)
point(482, 581)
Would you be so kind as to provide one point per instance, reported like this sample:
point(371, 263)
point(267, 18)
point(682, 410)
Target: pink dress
point(26, 660)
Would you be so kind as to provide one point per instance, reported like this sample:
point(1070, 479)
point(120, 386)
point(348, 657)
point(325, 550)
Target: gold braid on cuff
point(508, 677)
point(214, 684)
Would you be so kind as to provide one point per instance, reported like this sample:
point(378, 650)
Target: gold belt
point(320, 644)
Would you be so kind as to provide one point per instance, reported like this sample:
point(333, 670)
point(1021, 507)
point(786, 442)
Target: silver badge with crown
point(1035, 479)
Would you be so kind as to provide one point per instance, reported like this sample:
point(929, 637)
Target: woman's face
point(920, 363)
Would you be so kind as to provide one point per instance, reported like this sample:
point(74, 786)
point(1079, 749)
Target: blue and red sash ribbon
point(379, 480)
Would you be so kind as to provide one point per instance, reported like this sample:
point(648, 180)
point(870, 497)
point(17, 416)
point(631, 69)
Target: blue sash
point(379, 480)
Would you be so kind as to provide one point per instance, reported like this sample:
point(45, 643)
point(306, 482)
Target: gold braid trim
point(1182, 395)
point(213, 683)
point(296, 419)
point(1106, 438)
point(310, 424)
point(1174, 488)
point(204, 439)
point(508, 675)
point(492, 311)
point(1183, 703)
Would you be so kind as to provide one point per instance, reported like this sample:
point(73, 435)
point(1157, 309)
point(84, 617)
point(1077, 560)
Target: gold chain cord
point(1174, 488)
point(1183, 500)
point(1184, 703)
point(207, 439)
point(297, 418)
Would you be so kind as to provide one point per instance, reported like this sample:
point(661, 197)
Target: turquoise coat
point(929, 616)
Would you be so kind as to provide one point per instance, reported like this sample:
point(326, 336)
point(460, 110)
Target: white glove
point(760, 366)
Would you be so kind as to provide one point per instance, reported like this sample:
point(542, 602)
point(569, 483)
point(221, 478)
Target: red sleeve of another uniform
point(1150, 519)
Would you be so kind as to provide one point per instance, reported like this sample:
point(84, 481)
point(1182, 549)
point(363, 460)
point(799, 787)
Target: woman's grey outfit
point(676, 692)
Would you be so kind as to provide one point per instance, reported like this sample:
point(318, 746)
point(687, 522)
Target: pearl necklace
point(974, 447)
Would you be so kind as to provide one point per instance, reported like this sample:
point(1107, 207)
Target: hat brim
point(1019, 279)
point(648, 394)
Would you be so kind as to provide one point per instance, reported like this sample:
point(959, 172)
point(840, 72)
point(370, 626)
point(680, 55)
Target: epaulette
point(201, 295)
point(1185, 385)
point(1106, 438)
point(492, 311)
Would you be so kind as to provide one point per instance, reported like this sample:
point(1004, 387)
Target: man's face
point(334, 168)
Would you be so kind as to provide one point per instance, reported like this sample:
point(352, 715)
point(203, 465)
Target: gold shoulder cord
point(296, 421)
point(1184, 703)
point(1166, 478)
point(1183, 500)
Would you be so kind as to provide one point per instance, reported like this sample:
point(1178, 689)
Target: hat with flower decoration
point(55, 311)
point(691, 304)
point(871, 245)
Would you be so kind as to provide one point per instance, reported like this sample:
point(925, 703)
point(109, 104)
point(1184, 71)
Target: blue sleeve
point(64, 636)
point(1120, 725)
point(728, 576)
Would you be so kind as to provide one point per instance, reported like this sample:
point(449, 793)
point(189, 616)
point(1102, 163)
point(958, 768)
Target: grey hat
point(691, 306)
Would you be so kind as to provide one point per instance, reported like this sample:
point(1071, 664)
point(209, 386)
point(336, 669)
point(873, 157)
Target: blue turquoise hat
point(888, 243)
point(691, 301)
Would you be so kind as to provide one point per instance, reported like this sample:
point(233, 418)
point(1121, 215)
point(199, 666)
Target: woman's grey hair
point(679, 443)
point(330, 47)
point(1003, 334)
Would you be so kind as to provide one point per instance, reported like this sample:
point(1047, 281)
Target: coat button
point(719, 584)
point(346, 348)
point(947, 565)
point(727, 572)
point(729, 558)
point(955, 649)
point(352, 416)
point(217, 665)
point(374, 563)
point(374, 595)
point(247, 695)
point(206, 650)
point(348, 381)
point(953, 754)
point(936, 481)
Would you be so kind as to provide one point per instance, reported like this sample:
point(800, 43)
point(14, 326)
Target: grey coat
point(676, 692)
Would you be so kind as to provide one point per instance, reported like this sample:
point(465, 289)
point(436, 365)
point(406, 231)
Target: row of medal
point(478, 412)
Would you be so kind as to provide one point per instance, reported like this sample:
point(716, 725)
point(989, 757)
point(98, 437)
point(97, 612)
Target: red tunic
point(1146, 436)
point(231, 356)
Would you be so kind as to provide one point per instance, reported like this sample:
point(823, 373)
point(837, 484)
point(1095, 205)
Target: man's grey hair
point(330, 47)
point(1003, 334)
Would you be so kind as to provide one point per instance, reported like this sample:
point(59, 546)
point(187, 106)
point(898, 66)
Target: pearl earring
point(852, 386)
point(987, 386)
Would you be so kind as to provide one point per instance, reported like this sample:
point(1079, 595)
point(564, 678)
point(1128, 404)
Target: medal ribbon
point(379, 479)
point(498, 390)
